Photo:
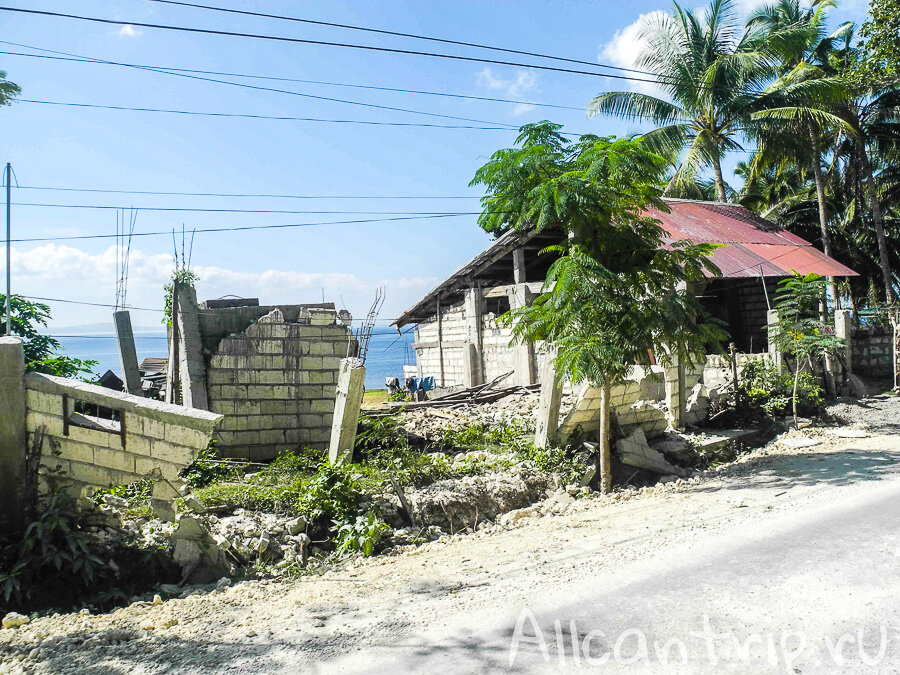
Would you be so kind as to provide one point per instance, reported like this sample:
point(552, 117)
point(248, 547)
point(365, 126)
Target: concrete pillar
point(675, 394)
point(772, 323)
point(191, 364)
point(518, 266)
point(127, 353)
point(474, 335)
point(13, 435)
point(547, 427)
point(843, 328)
point(524, 353)
point(347, 402)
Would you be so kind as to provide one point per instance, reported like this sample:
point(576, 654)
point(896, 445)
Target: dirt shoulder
point(339, 619)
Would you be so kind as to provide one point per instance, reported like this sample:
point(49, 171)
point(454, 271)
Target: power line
point(280, 38)
point(237, 194)
point(172, 69)
point(413, 36)
point(265, 117)
point(281, 211)
point(244, 228)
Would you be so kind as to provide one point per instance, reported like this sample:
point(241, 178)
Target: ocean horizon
point(388, 352)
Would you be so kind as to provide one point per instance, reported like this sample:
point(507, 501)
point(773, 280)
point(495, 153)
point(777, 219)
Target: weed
point(362, 535)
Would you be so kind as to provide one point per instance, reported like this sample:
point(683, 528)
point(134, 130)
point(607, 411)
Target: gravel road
point(640, 560)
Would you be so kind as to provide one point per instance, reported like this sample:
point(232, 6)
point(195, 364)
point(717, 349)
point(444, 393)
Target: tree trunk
point(823, 208)
point(869, 176)
point(794, 397)
point(605, 466)
point(720, 182)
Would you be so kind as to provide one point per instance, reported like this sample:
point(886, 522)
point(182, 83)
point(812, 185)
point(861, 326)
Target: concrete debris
point(14, 620)
point(295, 526)
point(635, 451)
point(798, 442)
point(847, 433)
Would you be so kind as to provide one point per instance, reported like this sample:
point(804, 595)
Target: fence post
point(347, 402)
point(843, 328)
point(772, 325)
point(547, 427)
point(675, 398)
point(13, 434)
point(127, 352)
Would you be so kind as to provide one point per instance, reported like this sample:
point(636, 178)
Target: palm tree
point(797, 104)
point(8, 90)
point(711, 68)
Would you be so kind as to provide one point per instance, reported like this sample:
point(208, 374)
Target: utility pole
point(8, 249)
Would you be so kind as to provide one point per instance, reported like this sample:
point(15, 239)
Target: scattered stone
point(194, 504)
point(295, 526)
point(170, 589)
point(157, 600)
point(14, 620)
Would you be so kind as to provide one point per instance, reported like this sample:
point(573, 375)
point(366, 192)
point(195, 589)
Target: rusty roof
point(752, 246)
point(750, 241)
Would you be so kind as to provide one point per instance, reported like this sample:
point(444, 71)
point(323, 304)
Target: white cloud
point(625, 48)
point(524, 83)
point(60, 271)
point(129, 31)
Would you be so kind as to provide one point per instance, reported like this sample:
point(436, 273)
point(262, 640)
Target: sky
point(390, 171)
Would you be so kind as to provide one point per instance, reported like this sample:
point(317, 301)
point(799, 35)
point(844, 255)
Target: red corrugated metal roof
point(750, 242)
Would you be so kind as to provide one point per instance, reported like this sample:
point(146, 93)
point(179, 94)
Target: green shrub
point(765, 387)
point(206, 468)
point(362, 535)
point(53, 558)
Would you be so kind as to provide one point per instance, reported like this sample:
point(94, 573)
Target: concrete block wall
point(717, 370)
point(629, 402)
point(872, 351)
point(275, 383)
point(453, 331)
point(157, 436)
point(498, 356)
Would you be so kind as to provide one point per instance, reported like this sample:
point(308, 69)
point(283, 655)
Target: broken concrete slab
point(635, 451)
point(847, 433)
point(798, 442)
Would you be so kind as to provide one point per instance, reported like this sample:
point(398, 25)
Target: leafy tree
point(800, 331)
point(615, 293)
point(711, 68)
point(881, 42)
point(42, 353)
point(8, 90)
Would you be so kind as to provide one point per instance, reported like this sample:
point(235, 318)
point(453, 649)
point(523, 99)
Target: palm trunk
point(823, 208)
point(604, 459)
point(720, 182)
point(872, 190)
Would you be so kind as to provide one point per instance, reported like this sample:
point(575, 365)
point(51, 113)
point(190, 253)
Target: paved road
point(816, 589)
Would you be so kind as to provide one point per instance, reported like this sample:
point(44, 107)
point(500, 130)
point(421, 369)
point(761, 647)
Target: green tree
point(43, 354)
point(711, 68)
point(881, 42)
point(800, 331)
point(8, 90)
point(615, 293)
point(795, 109)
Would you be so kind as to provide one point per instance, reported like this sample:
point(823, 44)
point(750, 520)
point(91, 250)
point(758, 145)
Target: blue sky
point(52, 146)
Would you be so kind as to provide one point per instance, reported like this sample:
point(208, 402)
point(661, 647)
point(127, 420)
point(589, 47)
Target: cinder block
point(220, 376)
point(53, 424)
point(145, 465)
point(175, 454)
point(92, 437)
point(137, 445)
point(323, 406)
point(42, 402)
point(184, 436)
point(152, 428)
point(114, 459)
point(79, 452)
point(90, 474)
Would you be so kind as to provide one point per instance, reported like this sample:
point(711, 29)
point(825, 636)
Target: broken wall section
point(84, 452)
point(275, 381)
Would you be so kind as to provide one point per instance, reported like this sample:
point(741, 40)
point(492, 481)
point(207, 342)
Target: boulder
point(14, 620)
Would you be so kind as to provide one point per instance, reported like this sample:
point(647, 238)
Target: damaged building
point(270, 371)
point(459, 341)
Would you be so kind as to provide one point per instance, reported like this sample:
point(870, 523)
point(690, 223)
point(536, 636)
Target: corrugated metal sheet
point(750, 242)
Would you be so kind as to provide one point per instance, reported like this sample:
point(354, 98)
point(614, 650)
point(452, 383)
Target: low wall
point(872, 351)
point(637, 402)
point(88, 451)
